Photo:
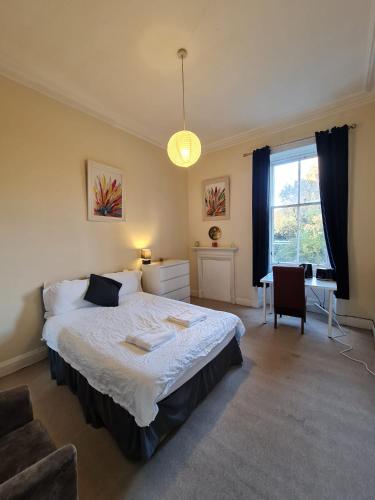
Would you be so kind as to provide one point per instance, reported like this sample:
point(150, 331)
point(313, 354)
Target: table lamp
point(146, 256)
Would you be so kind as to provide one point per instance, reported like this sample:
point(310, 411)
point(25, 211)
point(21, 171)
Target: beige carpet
point(297, 421)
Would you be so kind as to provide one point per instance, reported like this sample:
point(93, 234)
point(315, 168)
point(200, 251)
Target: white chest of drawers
point(170, 278)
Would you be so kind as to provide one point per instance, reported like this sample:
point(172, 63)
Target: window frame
point(280, 157)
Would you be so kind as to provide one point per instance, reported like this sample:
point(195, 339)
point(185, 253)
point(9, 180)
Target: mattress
point(93, 341)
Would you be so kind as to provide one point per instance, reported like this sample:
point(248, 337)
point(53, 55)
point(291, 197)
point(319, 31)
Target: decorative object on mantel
point(215, 234)
point(216, 198)
point(105, 192)
point(184, 147)
point(196, 243)
point(146, 256)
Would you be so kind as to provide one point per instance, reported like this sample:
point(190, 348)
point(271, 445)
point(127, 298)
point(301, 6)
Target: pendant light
point(184, 147)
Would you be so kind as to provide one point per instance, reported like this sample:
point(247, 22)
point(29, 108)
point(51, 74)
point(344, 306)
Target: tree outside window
point(296, 220)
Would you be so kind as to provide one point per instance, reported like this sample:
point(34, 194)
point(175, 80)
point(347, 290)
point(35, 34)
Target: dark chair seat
point(23, 447)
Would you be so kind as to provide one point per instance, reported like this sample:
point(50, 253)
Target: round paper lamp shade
point(184, 148)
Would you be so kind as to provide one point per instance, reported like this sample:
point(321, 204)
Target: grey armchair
point(30, 465)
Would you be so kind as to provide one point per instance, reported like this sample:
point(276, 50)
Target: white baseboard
point(366, 324)
point(28, 358)
point(239, 300)
point(246, 302)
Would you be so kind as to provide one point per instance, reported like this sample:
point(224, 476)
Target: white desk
point(328, 285)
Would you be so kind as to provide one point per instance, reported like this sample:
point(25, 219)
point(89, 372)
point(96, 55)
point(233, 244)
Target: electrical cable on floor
point(348, 347)
point(317, 296)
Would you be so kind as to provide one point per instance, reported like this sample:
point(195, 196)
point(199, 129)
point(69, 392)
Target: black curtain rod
point(352, 125)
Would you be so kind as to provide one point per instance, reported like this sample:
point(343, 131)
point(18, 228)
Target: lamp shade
point(145, 253)
point(184, 148)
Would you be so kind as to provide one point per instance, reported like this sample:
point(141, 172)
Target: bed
point(140, 397)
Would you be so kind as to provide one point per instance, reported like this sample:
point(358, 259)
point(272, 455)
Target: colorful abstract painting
point(105, 192)
point(215, 194)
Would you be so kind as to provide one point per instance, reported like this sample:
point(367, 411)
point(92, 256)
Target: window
point(295, 214)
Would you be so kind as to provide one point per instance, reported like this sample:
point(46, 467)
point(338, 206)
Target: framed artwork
point(105, 192)
point(216, 199)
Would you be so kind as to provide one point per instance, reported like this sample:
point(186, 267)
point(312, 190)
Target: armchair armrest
point(15, 409)
point(55, 476)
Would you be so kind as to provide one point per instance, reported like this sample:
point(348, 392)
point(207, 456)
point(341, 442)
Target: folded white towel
point(151, 339)
point(187, 318)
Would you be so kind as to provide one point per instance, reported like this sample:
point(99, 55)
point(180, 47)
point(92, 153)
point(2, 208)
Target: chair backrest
point(289, 287)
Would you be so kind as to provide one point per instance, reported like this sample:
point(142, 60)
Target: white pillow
point(65, 296)
point(130, 280)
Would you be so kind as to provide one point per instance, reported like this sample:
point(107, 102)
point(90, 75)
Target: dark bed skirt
point(140, 443)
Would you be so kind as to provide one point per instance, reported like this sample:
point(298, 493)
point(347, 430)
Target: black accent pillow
point(103, 291)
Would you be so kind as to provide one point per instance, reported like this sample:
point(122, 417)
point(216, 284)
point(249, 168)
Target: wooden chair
point(289, 293)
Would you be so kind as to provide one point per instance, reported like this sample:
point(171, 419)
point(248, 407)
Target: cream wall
point(44, 230)
point(238, 229)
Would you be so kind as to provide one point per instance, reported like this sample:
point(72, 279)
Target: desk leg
point(264, 303)
point(330, 307)
point(271, 298)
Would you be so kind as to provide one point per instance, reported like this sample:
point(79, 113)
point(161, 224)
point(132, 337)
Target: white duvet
point(92, 341)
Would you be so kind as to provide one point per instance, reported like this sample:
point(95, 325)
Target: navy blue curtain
point(261, 187)
point(332, 147)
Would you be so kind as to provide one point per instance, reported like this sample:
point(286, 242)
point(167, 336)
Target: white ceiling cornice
point(370, 70)
point(95, 109)
point(354, 101)
point(12, 72)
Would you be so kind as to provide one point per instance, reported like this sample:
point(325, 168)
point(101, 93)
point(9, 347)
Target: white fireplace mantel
point(216, 273)
point(217, 249)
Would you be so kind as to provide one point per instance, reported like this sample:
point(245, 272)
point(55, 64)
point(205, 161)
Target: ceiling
point(251, 63)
